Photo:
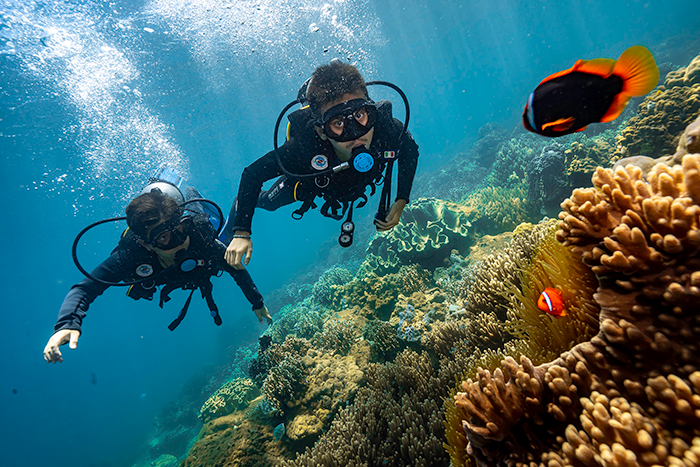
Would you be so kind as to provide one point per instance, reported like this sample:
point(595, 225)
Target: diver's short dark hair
point(329, 82)
point(148, 208)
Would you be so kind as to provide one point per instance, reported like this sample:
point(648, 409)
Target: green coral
point(381, 336)
point(231, 396)
point(429, 230)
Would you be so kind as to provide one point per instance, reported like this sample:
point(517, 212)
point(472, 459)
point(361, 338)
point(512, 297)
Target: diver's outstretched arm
point(241, 246)
point(52, 354)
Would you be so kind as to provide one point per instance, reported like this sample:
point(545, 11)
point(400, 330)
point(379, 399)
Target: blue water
point(94, 96)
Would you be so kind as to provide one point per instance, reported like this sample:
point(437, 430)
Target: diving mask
point(349, 120)
point(167, 235)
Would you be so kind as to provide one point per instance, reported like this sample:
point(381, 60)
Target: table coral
point(233, 395)
point(430, 229)
point(631, 395)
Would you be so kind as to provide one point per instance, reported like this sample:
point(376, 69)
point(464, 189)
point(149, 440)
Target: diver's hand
point(263, 313)
point(65, 336)
point(237, 249)
point(393, 218)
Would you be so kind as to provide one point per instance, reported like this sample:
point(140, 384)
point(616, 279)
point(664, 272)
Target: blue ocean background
point(95, 96)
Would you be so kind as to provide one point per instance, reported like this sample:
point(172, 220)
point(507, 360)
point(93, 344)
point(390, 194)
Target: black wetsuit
point(129, 256)
point(296, 155)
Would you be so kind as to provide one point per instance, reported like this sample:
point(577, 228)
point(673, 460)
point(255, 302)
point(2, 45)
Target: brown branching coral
point(630, 395)
point(395, 420)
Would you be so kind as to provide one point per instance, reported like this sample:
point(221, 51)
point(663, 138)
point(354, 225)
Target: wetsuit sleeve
point(252, 179)
point(243, 279)
point(407, 163)
point(81, 295)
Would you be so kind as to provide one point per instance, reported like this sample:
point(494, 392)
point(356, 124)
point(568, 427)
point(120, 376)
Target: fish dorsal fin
point(638, 70)
point(598, 66)
point(560, 73)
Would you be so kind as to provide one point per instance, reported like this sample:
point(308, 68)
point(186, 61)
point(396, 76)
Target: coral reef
point(547, 185)
point(510, 167)
point(663, 115)
point(322, 291)
point(498, 209)
point(337, 336)
point(372, 295)
point(394, 420)
point(415, 315)
point(332, 382)
point(485, 150)
point(429, 230)
point(240, 439)
point(233, 395)
point(382, 339)
point(302, 319)
point(630, 395)
point(584, 156)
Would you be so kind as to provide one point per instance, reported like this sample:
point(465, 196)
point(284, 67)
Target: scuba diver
point(337, 146)
point(169, 242)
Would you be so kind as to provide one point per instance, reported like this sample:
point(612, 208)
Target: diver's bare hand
point(263, 313)
point(238, 249)
point(393, 218)
point(52, 354)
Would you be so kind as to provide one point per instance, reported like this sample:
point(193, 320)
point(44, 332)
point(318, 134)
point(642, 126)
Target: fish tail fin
point(637, 68)
point(639, 73)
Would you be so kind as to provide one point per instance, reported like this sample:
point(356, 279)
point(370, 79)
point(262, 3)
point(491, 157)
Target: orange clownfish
point(551, 302)
point(589, 92)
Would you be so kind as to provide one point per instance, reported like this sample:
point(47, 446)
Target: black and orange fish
point(551, 301)
point(589, 92)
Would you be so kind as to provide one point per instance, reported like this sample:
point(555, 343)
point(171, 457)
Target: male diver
point(337, 146)
point(168, 242)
